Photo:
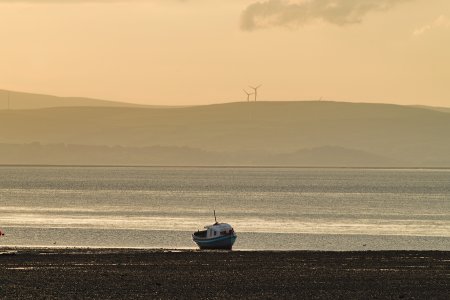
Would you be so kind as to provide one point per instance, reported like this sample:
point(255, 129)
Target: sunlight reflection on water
point(272, 202)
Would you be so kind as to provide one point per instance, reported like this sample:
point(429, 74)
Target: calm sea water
point(270, 208)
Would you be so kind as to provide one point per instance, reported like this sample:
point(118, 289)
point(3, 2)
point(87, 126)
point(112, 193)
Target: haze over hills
point(314, 133)
point(436, 108)
point(19, 100)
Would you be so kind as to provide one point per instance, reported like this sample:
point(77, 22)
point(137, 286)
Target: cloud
point(271, 13)
point(442, 22)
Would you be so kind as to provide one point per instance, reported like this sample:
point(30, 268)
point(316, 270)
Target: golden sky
point(178, 52)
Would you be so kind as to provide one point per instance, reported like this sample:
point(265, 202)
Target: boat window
point(215, 232)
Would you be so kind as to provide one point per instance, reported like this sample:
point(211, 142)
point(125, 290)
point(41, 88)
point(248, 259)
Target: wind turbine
point(256, 90)
point(248, 95)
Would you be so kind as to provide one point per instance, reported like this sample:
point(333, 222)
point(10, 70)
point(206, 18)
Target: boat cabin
point(215, 230)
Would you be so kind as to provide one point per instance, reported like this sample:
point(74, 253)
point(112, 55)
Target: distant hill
point(332, 156)
point(261, 133)
point(435, 108)
point(62, 154)
point(18, 100)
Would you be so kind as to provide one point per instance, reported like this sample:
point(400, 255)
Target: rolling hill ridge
point(262, 133)
point(20, 100)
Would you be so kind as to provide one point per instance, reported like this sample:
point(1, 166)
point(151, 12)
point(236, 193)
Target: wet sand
point(154, 274)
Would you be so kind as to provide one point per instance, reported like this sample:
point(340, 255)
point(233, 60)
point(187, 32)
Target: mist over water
point(270, 208)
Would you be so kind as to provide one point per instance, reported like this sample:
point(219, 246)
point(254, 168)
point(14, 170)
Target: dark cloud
point(284, 13)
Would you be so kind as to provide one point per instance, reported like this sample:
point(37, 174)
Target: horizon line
point(205, 104)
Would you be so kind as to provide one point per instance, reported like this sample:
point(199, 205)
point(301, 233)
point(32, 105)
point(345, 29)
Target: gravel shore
point(165, 274)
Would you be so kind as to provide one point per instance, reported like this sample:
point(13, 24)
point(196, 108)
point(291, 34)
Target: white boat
point(215, 236)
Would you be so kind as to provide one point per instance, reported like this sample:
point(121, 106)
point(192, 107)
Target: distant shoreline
point(223, 167)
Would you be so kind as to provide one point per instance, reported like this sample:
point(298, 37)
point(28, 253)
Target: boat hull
point(221, 242)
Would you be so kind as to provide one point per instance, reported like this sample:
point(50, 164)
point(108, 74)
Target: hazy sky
point(177, 52)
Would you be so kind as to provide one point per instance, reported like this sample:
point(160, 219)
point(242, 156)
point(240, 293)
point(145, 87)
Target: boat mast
point(215, 219)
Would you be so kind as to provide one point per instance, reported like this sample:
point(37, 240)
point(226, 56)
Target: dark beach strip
point(150, 274)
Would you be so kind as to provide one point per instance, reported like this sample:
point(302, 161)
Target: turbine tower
point(248, 95)
point(256, 90)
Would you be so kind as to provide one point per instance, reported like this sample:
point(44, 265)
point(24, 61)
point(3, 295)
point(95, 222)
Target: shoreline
point(112, 273)
point(196, 249)
point(229, 167)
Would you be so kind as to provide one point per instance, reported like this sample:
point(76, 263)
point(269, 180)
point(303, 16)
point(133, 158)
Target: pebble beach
point(69, 273)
